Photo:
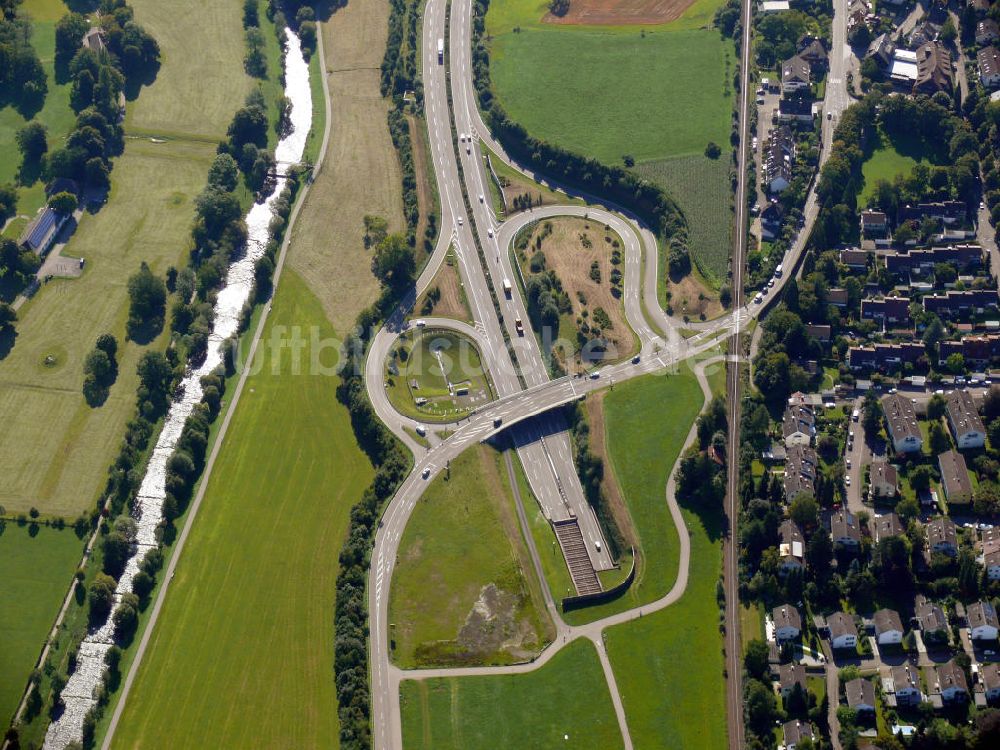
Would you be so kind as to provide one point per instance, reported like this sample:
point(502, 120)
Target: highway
point(462, 181)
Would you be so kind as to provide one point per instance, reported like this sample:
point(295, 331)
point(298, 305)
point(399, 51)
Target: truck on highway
point(441, 51)
point(506, 288)
point(519, 326)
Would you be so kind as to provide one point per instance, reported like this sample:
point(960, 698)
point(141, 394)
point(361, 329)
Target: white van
point(778, 271)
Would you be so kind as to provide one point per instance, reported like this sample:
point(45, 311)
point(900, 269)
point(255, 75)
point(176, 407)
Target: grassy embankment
point(564, 704)
point(34, 570)
point(656, 93)
point(55, 449)
point(250, 614)
point(462, 538)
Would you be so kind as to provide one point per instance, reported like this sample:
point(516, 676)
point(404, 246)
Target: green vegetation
point(436, 375)
point(278, 501)
point(564, 704)
point(885, 163)
point(464, 590)
point(701, 188)
point(35, 569)
point(673, 658)
point(642, 452)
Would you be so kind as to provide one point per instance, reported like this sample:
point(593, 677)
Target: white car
point(770, 283)
point(490, 231)
point(426, 473)
point(481, 198)
point(420, 323)
point(847, 481)
point(759, 298)
point(461, 221)
point(595, 374)
point(461, 137)
point(847, 462)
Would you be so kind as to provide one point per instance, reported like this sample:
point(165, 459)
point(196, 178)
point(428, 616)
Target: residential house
point(888, 627)
point(837, 297)
point(883, 480)
point(798, 426)
point(921, 261)
point(861, 695)
point(778, 158)
point(822, 332)
point(987, 32)
point(770, 220)
point(845, 530)
point(989, 675)
point(964, 422)
point(796, 75)
point(791, 549)
point(947, 212)
point(795, 108)
point(795, 731)
point(813, 51)
point(884, 357)
point(934, 69)
point(901, 421)
point(854, 259)
point(933, 623)
point(942, 537)
point(800, 471)
point(982, 7)
point(955, 478)
point(791, 676)
point(906, 685)
point(991, 553)
point(787, 622)
point(949, 680)
point(988, 59)
point(857, 13)
point(843, 631)
point(874, 226)
point(977, 351)
point(961, 303)
point(888, 311)
point(888, 524)
point(41, 232)
point(982, 620)
point(881, 49)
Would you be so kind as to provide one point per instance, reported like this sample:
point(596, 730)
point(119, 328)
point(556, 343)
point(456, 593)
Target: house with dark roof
point(860, 695)
point(966, 426)
point(885, 357)
point(989, 674)
point(787, 622)
point(791, 549)
point(881, 49)
point(982, 620)
point(874, 225)
point(795, 108)
point(946, 212)
point(798, 426)
point(778, 158)
point(796, 75)
point(843, 631)
point(906, 685)
point(94, 40)
point(987, 32)
point(887, 311)
point(901, 421)
point(41, 232)
point(888, 627)
point(791, 676)
point(949, 681)
point(883, 481)
point(844, 529)
point(800, 471)
point(813, 51)
point(921, 261)
point(820, 331)
point(942, 536)
point(991, 553)
point(988, 60)
point(955, 478)
point(932, 621)
point(837, 297)
point(854, 259)
point(957, 304)
point(887, 525)
point(795, 731)
point(770, 220)
point(977, 351)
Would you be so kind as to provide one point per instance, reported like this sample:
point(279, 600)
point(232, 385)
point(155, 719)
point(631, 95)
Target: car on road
point(468, 147)
point(498, 421)
point(461, 221)
point(490, 231)
point(847, 462)
point(829, 115)
point(481, 198)
point(595, 374)
point(419, 323)
point(635, 359)
point(847, 481)
point(759, 298)
point(426, 472)
point(770, 283)
point(519, 326)
point(420, 430)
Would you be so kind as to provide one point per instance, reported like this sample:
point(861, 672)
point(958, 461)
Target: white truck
point(507, 288)
point(440, 51)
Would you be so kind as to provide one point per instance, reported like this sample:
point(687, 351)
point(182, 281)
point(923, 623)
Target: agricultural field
point(564, 704)
point(674, 695)
point(589, 263)
point(651, 92)
point(330, 228)
point(278, 501)
point(36, 567)
point(642, 453)
point(436, 375)
point(56, 114)
point(464, 591)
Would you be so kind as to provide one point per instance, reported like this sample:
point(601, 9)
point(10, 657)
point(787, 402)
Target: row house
point(981, 617)
point(854, 259)
point(991, 553)
point(955, 478)
point(779, 156)
point(800, 471)
point(901, 421)
point(948, 212)
point(988, 59)
point(942, 536)
point(887, 310)
point(922, 260)
point(977, 351)
point(964, 421)
point(791, 548)
point(799, 425)
point(961, 303)
point(884, 356)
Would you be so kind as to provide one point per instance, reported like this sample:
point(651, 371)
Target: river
point(78, 695)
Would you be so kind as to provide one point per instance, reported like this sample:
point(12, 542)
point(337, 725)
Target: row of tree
point(22, 77)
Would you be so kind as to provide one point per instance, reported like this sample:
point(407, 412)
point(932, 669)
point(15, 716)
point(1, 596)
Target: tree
point(761, 706)
point(8, 316)
point(63, 203)
point(712, 150)
point(804, 511)
point(101, 597)
point(31, 141)
point(756, 659)
point(147, 301)
point(920, 478)
point(8, 201)
point(559, 7)
point(116, 550)
point(991, 405)
point(126, 617)
point(986, 499)
point(249, 125)
point(939, 440)
point(955, 363)
point(224, 173)
point(948, 31)
point(872, 421)
point(819, 552)
point(393, 263)
point(936, 407)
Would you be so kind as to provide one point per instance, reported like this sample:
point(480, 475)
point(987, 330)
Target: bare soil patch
point(621, 12)
point(450, 298)
point(690, 297)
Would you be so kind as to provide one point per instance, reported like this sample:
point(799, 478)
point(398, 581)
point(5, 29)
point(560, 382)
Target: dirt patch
point(449, 299)
point(424, 191)
point(621, 12)
point(692, 298)
point(492, 623)
point(598, 444)
point(587, 259)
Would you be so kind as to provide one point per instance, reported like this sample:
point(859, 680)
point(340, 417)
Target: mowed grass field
point(328, 235)
point(646, 422)
point(564, 704)
point(243, 652)
point(464, 535)
point(35, 573)
point(668, 665)
point(56, 449)
point(885, 163)
point(654, 93)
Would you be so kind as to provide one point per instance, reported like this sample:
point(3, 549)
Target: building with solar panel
point(43, 230)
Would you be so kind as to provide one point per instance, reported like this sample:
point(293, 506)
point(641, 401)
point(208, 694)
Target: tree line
point(22, 77)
